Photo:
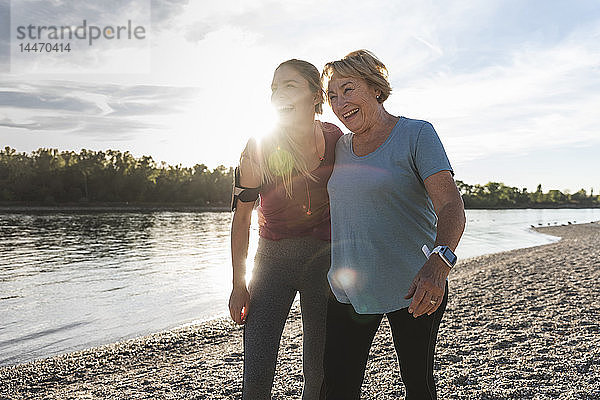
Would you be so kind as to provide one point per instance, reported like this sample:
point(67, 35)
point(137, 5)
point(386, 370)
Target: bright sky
point(512, 87)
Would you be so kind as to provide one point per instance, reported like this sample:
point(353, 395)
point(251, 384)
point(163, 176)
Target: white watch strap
point(426, 251)
point(437, 249)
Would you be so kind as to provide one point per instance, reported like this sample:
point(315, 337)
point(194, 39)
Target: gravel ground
point(522, 324)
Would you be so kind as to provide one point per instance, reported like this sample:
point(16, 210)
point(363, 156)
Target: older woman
point(393, 198)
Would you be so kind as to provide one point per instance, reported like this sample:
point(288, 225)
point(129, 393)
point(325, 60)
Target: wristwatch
point(444, 252)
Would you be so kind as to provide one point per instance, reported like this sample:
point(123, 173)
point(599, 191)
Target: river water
point(74, 280)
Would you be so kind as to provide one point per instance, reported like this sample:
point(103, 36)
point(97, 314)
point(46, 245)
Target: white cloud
point(544, 98)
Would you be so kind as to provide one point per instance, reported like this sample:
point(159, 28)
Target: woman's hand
point(428, 286)
point(238, 304)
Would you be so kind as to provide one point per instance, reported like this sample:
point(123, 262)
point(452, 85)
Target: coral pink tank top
point(306, 213)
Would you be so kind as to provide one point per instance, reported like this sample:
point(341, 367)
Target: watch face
point(450, 256)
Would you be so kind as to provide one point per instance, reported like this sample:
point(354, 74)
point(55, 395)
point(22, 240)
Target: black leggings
point(282, 268)
point(349, 338)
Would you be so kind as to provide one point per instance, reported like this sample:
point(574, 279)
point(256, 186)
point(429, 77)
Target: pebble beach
point(521, 324)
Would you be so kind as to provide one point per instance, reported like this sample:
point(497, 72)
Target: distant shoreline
point(537, 207)
point(151, 207)
point(109, 207)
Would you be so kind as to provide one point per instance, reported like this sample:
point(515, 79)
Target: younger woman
point(289, 170)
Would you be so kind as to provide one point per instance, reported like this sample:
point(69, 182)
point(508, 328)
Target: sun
point(265, 124)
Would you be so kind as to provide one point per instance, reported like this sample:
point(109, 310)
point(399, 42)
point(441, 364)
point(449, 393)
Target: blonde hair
point(279, 155)
point(360, 64)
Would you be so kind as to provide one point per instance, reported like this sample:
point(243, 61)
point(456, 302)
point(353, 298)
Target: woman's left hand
point(428, 286)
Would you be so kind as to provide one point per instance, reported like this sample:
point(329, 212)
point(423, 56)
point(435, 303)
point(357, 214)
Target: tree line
point(49, 177)
point(498, 195)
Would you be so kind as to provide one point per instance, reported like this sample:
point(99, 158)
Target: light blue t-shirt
point(381, 216)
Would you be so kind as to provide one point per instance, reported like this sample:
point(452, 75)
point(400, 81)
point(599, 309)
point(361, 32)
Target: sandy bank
point(521, 324)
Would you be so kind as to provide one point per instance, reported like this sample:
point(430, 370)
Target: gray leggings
point(282, 268)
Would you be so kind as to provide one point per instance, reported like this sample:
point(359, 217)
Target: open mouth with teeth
point(285, 109)
point(350, 113)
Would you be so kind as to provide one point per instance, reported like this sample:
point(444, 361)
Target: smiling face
point(354, 102)
point(291, 96)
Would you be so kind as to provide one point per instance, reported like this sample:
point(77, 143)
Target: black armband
point(241, 193)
